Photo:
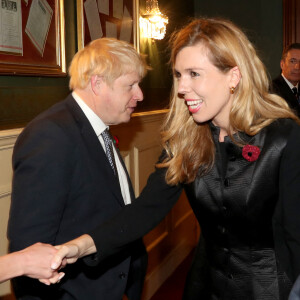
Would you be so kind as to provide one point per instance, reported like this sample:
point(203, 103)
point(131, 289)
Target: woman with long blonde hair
point(234, 148)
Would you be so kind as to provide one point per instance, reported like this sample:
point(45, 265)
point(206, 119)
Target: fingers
point(66, 254)
point(45, 281)
point(59, 258)
point(54, 279)
point(57, 278)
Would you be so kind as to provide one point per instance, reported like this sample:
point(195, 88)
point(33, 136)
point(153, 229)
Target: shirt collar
point(97, 124)
point(289, 83)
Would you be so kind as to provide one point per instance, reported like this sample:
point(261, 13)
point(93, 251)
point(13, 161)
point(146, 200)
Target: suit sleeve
point(289, 202)
point(40, 184)
point(136, 219)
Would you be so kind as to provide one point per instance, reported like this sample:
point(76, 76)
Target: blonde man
point(65, 181)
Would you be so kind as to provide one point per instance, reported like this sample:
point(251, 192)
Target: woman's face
point(205, 89)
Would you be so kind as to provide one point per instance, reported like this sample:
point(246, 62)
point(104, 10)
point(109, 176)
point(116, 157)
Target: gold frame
point(36, 69)
point(80, 24)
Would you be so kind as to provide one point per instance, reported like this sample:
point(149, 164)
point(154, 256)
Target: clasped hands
point(67, 253)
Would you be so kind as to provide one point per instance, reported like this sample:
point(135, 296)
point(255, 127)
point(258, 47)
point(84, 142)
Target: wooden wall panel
point(7, 140)
point(291, 22)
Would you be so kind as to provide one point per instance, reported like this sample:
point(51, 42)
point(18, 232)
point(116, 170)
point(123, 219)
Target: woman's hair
point(189, 146)
point(107, 57)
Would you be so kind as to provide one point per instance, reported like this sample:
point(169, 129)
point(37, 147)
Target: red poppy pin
point(250, 152)
point(116, 141)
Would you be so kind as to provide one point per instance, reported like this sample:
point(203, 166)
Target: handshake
point(44, 261)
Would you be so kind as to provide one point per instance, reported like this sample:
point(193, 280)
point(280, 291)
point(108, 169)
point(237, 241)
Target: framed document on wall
point(107, 18)
point(32, 37)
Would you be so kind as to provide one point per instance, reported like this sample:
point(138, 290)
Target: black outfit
point(295, 292)
point(281, 88)
point(248, 213)
point(63, 186)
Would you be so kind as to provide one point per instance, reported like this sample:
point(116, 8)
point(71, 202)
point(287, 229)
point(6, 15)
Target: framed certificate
point(32, 38)
point(107, 18)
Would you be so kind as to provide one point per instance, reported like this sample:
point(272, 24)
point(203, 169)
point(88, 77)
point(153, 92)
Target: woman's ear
point(96, 81)
point(235, 76)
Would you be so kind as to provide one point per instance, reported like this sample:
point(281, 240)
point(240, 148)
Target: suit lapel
point(94, 148)
point(289, 95)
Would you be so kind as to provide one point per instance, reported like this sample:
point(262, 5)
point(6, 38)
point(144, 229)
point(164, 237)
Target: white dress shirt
point(289, 83)
point(99, 127)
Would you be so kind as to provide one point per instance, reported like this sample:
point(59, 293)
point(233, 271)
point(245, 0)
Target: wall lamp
point(153, 23)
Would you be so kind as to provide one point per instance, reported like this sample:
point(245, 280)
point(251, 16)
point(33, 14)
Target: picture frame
point(109, 18)
point(41, 38)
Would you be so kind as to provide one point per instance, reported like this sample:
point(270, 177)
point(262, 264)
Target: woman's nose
point(182, 86)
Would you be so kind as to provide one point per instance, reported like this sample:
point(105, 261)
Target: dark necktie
point(294, 89)
point(109, 150)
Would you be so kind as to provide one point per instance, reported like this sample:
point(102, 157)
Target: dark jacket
point(281, 88)
point(248, 212)
point(63, 186)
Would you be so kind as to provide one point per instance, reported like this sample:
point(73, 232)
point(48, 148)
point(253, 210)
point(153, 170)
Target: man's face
point(118, 101)
point(290, 66)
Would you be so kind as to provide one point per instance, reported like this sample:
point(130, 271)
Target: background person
point(286, 85)
point(68, 177)
point(234, 148)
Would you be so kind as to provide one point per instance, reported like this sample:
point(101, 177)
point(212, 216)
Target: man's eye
point(293, 61)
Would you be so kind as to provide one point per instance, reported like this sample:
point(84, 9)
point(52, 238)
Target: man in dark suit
point(287, 84)
point(69, 177)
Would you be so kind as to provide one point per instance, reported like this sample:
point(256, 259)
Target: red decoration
point(250, 152)
point(116, 141)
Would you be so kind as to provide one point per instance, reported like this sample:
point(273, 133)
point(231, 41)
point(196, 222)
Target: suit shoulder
point(282, 125)
point(281, 130)
point(55, 121)
point(277, 83)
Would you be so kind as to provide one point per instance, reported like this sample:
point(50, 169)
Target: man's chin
point(126, 118)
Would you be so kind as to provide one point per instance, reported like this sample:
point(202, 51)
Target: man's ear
point(235, 76)
point(281, 64)
point(96, 82)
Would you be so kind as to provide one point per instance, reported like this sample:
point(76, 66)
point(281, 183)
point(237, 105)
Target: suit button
point(230, 276)
point(232, 158)
point(226, 182)
point(122, 275)
point(222, 229)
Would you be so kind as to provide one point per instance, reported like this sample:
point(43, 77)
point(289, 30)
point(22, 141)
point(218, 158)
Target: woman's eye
point(177, 74)
point(194, 74)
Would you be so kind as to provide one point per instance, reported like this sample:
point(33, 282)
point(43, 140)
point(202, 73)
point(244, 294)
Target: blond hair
point(189, 146)
point(107, 57)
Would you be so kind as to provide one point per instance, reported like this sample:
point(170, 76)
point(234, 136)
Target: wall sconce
point(153, 23)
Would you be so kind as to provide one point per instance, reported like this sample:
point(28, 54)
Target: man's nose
point(139, 94)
